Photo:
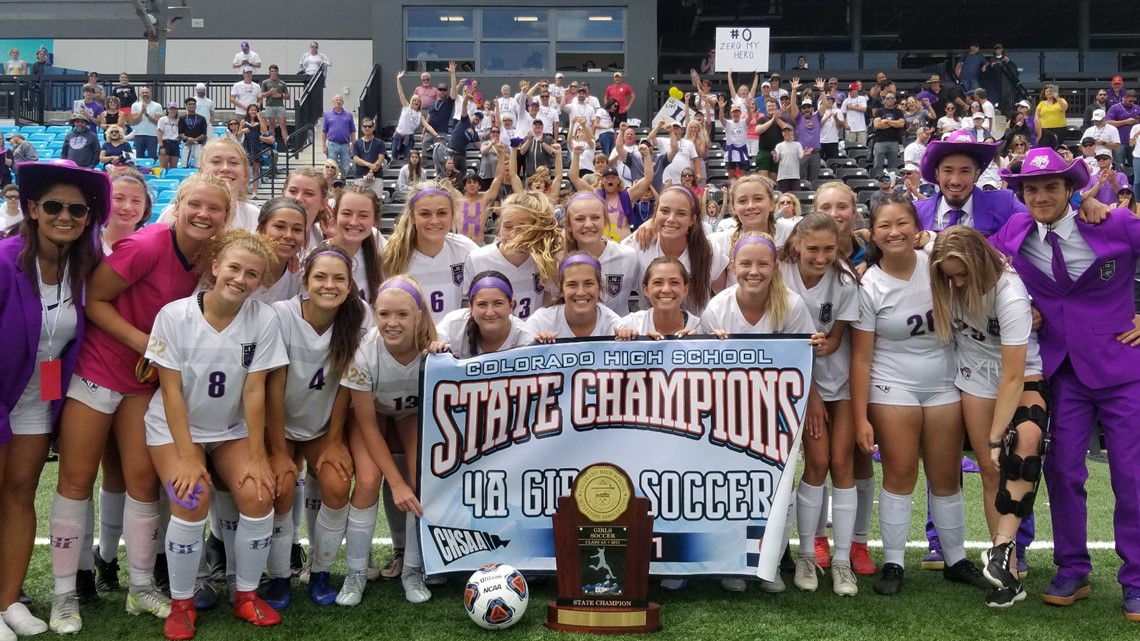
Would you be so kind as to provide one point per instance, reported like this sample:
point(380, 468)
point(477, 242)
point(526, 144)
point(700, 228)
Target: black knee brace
point(1014, 467)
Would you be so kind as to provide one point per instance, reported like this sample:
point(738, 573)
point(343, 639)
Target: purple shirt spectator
point(1123, 111)
point(1107, 193)
point(338, 126)
point(808, 137)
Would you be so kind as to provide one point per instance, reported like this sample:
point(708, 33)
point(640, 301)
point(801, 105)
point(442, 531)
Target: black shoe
point(787, 563)
point(296, 558)
point(85, 587)
point(998, 566)
point(216, 558)
point(106, 573)
point(161, 575)
point(965, 572)
point(25, 599)
point(890, 579)
point(1006, 597)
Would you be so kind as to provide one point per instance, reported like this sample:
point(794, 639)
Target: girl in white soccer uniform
point(812, 268)
point(213, 352)
point(486, 326)
point(383, 382)
point(903, 394)
point(984, 306)
point(226, 159)
point(679, 233)
point(665, 286)
point(752, 203)
point(282, 220)
point(578, 312)
point(357, 214)
point(584, 232)
point(526, 251)
point(423, 246)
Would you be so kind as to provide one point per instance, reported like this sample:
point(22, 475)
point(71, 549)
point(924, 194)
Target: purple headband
point(430, 191)
point(328, 252)
point(405, 286)
point(584, 194)
point(490, 282)
point(584, 259)
point(692, 198)
point(752, 239)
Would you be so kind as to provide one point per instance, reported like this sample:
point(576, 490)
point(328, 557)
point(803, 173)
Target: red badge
point(51, 380)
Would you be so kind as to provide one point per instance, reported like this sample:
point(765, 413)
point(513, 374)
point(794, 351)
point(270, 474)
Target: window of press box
point(515, 56)
point(587, 56)
point(434, 56)
point(591, 24)
point(514, 24)
point(440, 24)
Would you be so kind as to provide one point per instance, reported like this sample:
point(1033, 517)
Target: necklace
point(367, 146)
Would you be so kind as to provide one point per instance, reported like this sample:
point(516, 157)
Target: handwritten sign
point(742, 48)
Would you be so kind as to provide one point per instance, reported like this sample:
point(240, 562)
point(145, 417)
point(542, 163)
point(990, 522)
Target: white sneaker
point(148, 600)
point(775, 586)
point(5, 633)
point(22, 621)
point(733, 585)
point(65, 617)
point(806, 570)
point(415, 591)
point(843, 580)
point(352, 591)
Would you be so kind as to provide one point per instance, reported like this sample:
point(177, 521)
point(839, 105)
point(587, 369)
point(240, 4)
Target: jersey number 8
point(217, 388)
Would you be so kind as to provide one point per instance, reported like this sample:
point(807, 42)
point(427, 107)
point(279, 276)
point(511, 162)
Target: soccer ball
point(496, 596)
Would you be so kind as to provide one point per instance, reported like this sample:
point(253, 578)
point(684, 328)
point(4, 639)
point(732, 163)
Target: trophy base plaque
point(568, 618)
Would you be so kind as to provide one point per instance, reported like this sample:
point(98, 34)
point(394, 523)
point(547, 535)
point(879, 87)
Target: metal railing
point(369, 106)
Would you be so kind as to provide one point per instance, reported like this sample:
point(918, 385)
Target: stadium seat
point(179, 173)
point(58, 129)
point(836, 163)
point(38, 136)
point(806, 198)
point(48, 154)
point(32, 129)
point(843, 173)
point(162, 184)
point(863, 184)
point(144, 164)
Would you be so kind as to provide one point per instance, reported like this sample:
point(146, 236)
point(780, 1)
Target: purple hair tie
point(430, 191)
point(584, 259)
point(584, 194)
point(491, 282)
point(687, 192)
point(405, 286)
point(188, 503)
point(328, 252)
point(752, 239)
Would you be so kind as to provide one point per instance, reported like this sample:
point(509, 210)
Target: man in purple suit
point(954, 165)
point(1080, 278)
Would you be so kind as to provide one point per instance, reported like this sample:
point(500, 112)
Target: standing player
point(577, 312)
point(488, 325)
point(213, 352)
point(584, 232)
point(752, 203)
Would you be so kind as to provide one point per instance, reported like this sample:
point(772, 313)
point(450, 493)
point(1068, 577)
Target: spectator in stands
point(1123, 115)
point(536, 150)
point(945, 95)
point(579, 110)
point(603, 125)
point(949, 123)
point(768, 127)
point(235, 132)
point(116, 151)
point(258, 141)
point(1021, 124)
point(979, 130)
point(775, 90)
point(808, 126)
point(125, 92)
point(889, 122)
point(913, 188)
point(1105, 182)
point(368, 155)
point(987, 107)
point(1088, 154)
point(21, 150)
point(708, 63)
point(1104, 136)
point(96, 88)
point(1049, 118)
point(1126, 199)
point(917, 115)
point(410, 174)
point(831, 88)
point(441, 109)
point(314, 61)
point(15, 66)
point(411, 118)
point(10, 213)
point(168, 139)
point(192, 130)
point(1115, 93)
point(274, 92)
point(969, 68)
point(450, 173)
point(81, 145)
point(623, 94)
point(463, 135)
point(882, 86)
point(801, 63)
point(42, 62)
point(338, 131)
point(886, 190)
point(1017, 149)
point(1134, 143)
point(426, 92)
point(914, 151)
point(206, 107)
point(246, 59)
point(489, 157)
point(828, 128)
point(854, 115)
point(245, 92)
point(1100, 101)
point(88, 107)
point(788, 156)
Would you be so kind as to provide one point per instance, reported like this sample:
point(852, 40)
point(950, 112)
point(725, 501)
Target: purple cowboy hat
point(95, 185)
point(1043, 162)
point(958, 142)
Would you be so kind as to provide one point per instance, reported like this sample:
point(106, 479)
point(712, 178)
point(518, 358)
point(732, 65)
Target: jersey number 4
point(318, 382)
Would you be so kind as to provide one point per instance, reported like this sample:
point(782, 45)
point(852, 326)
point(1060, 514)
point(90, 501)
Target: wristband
point(996, 444)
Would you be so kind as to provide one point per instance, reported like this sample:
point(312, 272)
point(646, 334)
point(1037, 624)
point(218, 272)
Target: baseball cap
point(885, 178)
point(172, 105)
point(610, 171)
point(807, 103)
point(765, 84)
point(314, 44)
point(1098, 114)
point(1104, 152)
point(244, 44)
point(979, 116)
point(1116, 79)
point(855, 85)
point(1024, 103)
point(1088, 141)
point(909, 167)
point(442, 86)
point(735, 107)
point(559, 75)
point(479, 113)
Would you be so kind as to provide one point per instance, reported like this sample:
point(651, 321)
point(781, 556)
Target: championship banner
point(705, 428)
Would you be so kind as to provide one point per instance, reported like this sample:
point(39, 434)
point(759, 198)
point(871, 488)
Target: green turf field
point(928, 607)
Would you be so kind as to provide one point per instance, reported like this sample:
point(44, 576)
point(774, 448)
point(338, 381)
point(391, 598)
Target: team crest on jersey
point(825, 313)
point(993, 327)
point(247, 352)
point(613, 284)
point(886, 389)
point(538, 286)
point(1108, 269)
point(967, 373)
point(91, 387)
point(457, 274)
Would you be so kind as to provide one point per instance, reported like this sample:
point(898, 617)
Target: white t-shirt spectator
point(988, 112)
point(1104, 135)
point(913, 153)
point(1135, 133)
point(686, 153)
point(829, 130)
point(605, 122)
point(247, 60)
point(856, 120)
point(246, 94)
point(789, 153)
point(311, 63)
point(146, 127)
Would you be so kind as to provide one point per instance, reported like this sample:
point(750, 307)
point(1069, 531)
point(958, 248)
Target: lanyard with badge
point(51, 370)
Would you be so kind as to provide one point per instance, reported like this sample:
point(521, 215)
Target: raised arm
point(637, 189)
point(400, 89)
point(452, 89)
point(575, 179)
point(556, 178)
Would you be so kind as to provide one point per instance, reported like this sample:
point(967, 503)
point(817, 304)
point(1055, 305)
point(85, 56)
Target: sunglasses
point(54, 207)
point(367, 126)
point(686, 175)
point(494, 131)
point(12, 197)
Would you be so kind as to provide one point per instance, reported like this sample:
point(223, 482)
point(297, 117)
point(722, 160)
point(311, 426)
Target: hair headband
point(287, 203)
point(430, 191)
point(752, 239)
point(490, 282)
point(584, 259)
point(327, 252)
point(684, 190)
point(584, 194)
point(405, 286)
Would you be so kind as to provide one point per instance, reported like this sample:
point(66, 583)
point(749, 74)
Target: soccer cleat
point(65, 617)
point(861, 560)
point(822, 552)
point(250, 607)
point(412, 579)
point(806, 574)
point(966, 573)
point(205, 595)
point(674, 585)
point(997, 565)
point(181, 624)
point(1005, 597)
point(775, 586)
point(933, 560)
point(85, 587)
point(372, 572)
point(890, 580)
point(297, 558)
point(216, 558)
point(24, 598)
point(435, 581)
point(319, 589)
point(1131, 603)
point(843, 580)
point(1022, 566)
point(21, 622)
point(1066, 591)
point(106, 573)
point(161, 575)
point(733, 585)
point(277, 592)
point(352, 590)
point(394, 565)
point(787, 563)
point(148, 600)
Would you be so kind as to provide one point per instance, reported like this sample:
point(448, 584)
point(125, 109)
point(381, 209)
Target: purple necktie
point(955, 216)
point(1060, 271)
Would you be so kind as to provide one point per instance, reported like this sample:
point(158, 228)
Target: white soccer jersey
point(907, 353)
point(213, 366)
point(1008, 322)
point(784, 227)
point(441, 277)
point(642, 322)
point(721, 242)
point(524, 279)
point(359, 269)
point(453, 329)
point(394, 387)
point(553, 319)
point(834, 298)
point(621, 276)
point(286, 287)
point(646, 256)
point(723, 312)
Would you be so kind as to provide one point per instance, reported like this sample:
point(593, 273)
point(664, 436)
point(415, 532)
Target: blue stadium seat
point(179, 173)
point(8, 130)
point(144, 164)
point(58, 129)
point(41, 136)
point(162, 184)
point(48, 154)
point(32, 129)
point(164, 198)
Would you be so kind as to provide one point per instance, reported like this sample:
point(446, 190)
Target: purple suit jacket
point(1081, 322)
point(20, 322)
point(991, 209)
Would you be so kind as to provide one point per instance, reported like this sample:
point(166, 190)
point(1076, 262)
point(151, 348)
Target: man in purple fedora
point(1080, 278)
point(954, 165)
